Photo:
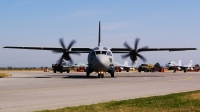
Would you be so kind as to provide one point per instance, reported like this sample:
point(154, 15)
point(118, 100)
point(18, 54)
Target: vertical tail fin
point(126, 63)
point(99, 42)
point(179, 63)
point(190, 63)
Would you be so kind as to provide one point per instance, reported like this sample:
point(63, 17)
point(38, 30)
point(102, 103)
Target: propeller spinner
point(134, 53)
point(65, 51)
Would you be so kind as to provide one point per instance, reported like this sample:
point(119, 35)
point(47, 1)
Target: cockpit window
point(98, 52)
point(105, 48)
point(104, 52)
point(109, 53)
point(96, 48)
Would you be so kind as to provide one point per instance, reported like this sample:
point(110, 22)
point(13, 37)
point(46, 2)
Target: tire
point(68, 71)
point(99, 75)
point(54, 71)
point(61, 71)
point(139, 70)
point(112, 74)
point(88, 74)
point(102, 75)
point(184, 70)
point(174, 70)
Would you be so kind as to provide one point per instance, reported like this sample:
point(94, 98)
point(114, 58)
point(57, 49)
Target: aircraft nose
point(101, 62)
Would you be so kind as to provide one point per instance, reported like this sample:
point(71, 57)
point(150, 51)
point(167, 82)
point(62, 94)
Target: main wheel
point(88, 74)
point(54, 70)
point(112, 74)
point(68, 71)
point(185, 70)
point(174, 70)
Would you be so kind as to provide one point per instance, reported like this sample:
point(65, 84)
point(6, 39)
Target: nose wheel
point(100, 75)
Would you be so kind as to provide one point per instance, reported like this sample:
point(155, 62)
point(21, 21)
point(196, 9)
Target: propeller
point(65, 51)
point(134, 53)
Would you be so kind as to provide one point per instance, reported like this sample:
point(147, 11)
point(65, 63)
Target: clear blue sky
point(158, 23)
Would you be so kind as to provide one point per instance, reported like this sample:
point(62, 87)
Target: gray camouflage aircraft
point(101, 59)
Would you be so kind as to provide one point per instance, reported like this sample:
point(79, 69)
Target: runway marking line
point(188, 78)
point(48, 88)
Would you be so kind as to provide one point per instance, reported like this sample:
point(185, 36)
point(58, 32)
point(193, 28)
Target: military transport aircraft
point(100, 59)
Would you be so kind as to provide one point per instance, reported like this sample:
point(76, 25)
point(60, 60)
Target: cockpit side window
point(109, 53)
point(98, 52)
point(104, 52)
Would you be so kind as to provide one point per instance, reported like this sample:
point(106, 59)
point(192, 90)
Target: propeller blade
point(140, 56)
point(56, 51)
point(126, 55)
point(140, 49)
point(145, 47)
point(70, 60)
point(61, 59)
point(127, 46)
point(136, 43)
point(62, 43)
point(71, 44)
point(133, 63)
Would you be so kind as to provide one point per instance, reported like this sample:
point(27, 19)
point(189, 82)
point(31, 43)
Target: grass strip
point(5, 75)
point(177, 102)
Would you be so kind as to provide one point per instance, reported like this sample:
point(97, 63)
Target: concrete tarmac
point(30, 91)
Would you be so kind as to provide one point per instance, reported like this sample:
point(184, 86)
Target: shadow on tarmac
point(78, 76)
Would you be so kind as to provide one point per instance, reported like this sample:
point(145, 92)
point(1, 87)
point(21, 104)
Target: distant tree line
point(22, 68)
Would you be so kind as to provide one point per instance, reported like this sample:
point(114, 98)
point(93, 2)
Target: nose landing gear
point(100, 75)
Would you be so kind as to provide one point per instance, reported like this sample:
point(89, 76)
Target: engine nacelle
point(133, 58)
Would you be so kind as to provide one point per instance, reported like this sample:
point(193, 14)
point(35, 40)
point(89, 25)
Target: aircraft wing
point(73, 50)
point(126, 50)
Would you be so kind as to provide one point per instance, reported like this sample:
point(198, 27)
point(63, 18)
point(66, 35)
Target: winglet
point(99, 42)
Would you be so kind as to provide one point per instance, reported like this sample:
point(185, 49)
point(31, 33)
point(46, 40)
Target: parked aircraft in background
point(171, 65)
point(125, 66)
point(100, 58)
point(189, 66)
point(79, 64)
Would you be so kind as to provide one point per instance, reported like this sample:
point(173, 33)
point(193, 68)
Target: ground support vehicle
point(60, 68)
point(146, 68)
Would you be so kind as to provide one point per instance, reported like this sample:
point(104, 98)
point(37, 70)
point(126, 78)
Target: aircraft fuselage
point(100, 59)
